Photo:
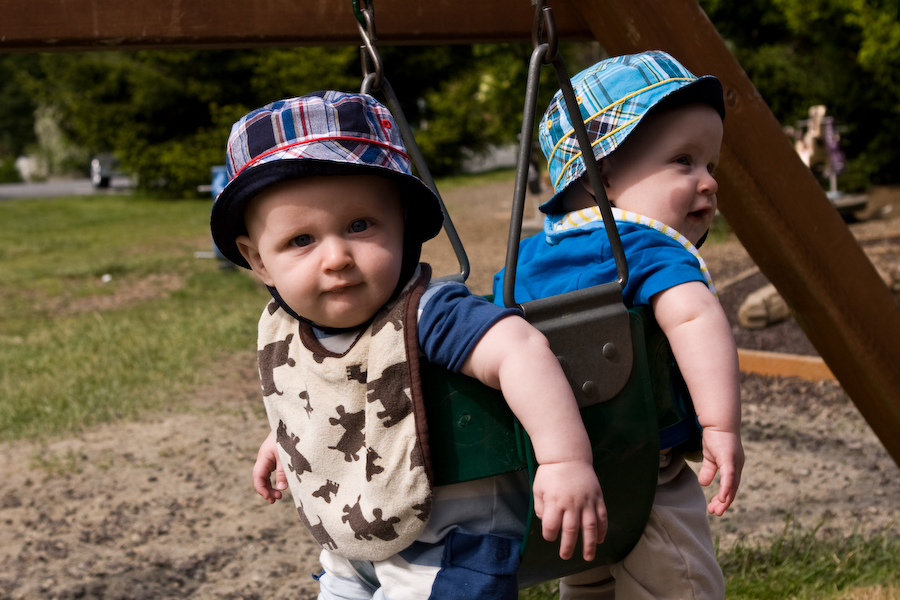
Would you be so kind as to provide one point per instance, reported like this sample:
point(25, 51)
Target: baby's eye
point(359, 226)
point(303, 240)
point(711, 169)
point(683, 160)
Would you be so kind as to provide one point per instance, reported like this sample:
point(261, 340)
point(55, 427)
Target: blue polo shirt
point(557, 262)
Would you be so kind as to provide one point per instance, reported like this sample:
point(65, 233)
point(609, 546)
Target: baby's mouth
point(340, 289)
point(699, 215)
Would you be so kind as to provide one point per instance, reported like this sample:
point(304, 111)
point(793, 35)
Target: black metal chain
point(375, 80)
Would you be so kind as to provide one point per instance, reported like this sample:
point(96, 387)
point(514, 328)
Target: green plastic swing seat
point(479, 437)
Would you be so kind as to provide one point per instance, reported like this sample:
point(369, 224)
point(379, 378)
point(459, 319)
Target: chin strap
point(701, 240)
point(411, 253)
point(330, 330)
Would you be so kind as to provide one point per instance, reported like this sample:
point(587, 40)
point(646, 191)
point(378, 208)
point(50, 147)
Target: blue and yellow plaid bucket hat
point(323, 133)
point(613, 96)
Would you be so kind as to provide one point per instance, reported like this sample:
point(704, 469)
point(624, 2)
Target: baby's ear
point(251, 254)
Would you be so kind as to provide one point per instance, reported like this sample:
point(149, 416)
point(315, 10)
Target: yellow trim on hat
point(600, 112)
point(597, 141)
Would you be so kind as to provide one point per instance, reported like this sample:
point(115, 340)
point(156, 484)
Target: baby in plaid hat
point(656, 131)
point(322, 205)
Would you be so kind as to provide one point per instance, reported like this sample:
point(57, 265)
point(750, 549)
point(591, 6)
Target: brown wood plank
point(779, 211)
point(778, 364)
point(66, 25)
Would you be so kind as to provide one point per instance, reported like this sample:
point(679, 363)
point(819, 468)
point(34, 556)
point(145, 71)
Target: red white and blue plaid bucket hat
point(613, 97)
point(323, 133)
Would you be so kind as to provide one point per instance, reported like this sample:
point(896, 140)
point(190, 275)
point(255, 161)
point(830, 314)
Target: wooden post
point(778, 210)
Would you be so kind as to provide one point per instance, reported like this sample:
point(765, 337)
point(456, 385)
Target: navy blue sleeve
point(452, 320)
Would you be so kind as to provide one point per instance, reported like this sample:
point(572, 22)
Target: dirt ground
point(164, 508)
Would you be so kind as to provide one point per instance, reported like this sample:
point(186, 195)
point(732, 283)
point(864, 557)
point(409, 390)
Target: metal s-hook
point(372, 81)
point(544, 20)
point(365, 16)
point(536, 24)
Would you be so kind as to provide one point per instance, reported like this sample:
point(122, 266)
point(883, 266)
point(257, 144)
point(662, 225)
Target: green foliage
point(294, 72)
point(799, 563)
point(545, 591)
point(473, 109)
point(8, 171)
point(167, 114)
point(76, 350)
point(811, 564)
point(844, 54)
point(16, 106)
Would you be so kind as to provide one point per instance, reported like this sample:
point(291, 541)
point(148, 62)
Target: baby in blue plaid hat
point(322, 205)
point(655, 131)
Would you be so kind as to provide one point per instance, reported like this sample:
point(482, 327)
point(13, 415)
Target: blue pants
point(461, 567)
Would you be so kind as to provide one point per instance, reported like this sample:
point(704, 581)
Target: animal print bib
point(350, 428)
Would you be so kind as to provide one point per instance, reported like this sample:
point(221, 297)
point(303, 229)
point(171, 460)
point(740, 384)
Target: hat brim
point(706, 90)
point(424, 217)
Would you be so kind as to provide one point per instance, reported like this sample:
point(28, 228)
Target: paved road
point(52, 189)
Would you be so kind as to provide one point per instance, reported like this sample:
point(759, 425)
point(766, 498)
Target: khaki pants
point(674, 559)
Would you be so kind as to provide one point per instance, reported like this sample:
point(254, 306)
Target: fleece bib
point(350, 428)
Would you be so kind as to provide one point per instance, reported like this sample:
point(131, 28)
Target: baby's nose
point(336, 255)
point(708, 185)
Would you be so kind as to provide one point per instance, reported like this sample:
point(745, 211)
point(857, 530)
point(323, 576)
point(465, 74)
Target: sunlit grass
point(78, 348)
point(813, 564)
point(492, 176)
point(802, 564)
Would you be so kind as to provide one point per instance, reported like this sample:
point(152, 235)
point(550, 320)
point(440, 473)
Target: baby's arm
point(701, 340)
point(516, 358)
point(267, 460)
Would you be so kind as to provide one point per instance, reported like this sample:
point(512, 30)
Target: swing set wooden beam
point(78, 25)
point(771, 200)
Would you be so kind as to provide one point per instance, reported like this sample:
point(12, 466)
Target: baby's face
point(331, 246)
point(665, 169)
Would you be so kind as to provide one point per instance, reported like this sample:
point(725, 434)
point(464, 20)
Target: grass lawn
point(106, 314)
point(802, 565)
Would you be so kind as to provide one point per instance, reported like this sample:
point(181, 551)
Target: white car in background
point(103, 168)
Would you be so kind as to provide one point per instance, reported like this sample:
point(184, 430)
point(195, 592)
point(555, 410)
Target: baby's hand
point(267, 460)
point(722, 452)
point(567, 497)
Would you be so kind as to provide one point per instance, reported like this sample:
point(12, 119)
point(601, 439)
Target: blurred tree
point(473, 97)
point(16, 113)
point(844, 54)
point(161, 113)
point(465, 99)
point(167, 114)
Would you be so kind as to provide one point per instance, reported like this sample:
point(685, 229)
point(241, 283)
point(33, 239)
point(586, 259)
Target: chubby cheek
point(387, 261)
point(390, 276)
